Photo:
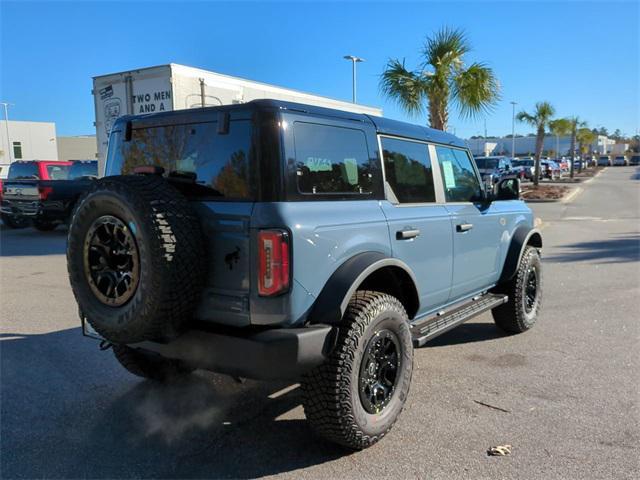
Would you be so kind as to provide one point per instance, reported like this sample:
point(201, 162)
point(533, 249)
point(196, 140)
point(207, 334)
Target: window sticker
point(351, 168)
point(449, 178)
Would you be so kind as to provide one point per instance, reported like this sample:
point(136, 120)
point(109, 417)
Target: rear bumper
point(273, 354)
point(53, 210)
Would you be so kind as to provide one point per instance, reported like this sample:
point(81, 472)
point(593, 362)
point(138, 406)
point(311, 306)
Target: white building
point(527, 145)
point(79, 147)
point(27, 141)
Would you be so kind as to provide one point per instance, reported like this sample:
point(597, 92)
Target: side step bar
point(425, 329)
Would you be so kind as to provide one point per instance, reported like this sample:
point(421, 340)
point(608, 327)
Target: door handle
point(464, 227)
point(407, 234)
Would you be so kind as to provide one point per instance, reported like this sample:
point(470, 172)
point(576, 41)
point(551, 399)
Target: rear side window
point(58, 172)
point(219, 161)
point(19, 171)
point(408, 172)
point(331, 159)
point(458, 175)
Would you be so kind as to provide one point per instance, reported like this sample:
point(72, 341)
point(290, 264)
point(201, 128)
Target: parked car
point(494, 169)
point(304, 243)
point(46, 192)
point(620, 161)
point(635, 159)
point(604, 161)
point(550, 169)
point(20, 189)
point(564, 164)
point(524, 167)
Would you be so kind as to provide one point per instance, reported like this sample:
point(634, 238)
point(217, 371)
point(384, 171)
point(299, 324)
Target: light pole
point(6, 124)
point(354, 60)
point(513, 129)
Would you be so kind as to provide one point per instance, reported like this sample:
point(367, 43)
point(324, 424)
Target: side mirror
point(508, 189)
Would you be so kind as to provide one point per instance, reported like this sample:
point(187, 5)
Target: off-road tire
point(149, 365)
point(170, 248)
point(44, 225)
point(514, 316)
point(13, 222)
point(331, 396)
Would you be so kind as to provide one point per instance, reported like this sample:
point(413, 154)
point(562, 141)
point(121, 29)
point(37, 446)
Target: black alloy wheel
point(379, 371)
point(111, 261)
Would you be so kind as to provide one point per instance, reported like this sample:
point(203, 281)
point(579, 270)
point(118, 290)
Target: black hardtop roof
point(384, 126)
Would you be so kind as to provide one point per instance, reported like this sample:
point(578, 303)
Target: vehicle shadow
point(71, 411)
point(636, 174)
point(622, 248)
point(467, 333)
point(31, 242)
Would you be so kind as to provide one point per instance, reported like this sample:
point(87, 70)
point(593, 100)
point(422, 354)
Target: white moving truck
point(177, 87)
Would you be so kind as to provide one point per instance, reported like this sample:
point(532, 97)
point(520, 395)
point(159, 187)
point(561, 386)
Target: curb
point(571, 195)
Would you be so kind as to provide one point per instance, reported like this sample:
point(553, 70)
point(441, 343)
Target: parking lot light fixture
point(353, 60)
point(6, 124)
point(513, 129)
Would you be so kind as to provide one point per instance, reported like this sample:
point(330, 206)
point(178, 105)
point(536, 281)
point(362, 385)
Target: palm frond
point(475, 90)
point(446, 47)
point(524, 117)
point(407, 88)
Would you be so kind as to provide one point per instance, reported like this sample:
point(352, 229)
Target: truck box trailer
point(177, 87)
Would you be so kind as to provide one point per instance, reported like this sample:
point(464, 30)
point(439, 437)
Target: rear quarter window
point(331, 160)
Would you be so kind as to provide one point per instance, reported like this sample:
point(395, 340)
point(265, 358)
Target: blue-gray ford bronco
point(274, 240)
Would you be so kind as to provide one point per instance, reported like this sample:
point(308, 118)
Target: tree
point(559, 127)
point(603, 131)
point(442, 79)
point(585, 138)
point(539, 119)
point(576, 123)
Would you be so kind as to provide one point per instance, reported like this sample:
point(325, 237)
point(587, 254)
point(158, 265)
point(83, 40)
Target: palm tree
point(576, 123)
point(443, 78)
point(559, 127)
point(539, 119)
point(585, 137)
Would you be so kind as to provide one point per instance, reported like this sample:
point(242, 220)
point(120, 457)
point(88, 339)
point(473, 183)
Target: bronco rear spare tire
point(135, 258)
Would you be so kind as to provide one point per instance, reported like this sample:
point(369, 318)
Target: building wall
point(37, 140)
point(81, 147)
point(527, 145)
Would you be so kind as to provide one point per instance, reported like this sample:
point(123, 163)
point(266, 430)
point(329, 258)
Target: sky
point(583, 57)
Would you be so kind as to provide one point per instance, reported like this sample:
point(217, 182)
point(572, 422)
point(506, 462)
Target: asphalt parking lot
point(567, 392)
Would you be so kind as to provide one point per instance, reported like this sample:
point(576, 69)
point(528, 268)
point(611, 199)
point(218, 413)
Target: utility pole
point(6, 124)
point(513, 129)
point(354, 60)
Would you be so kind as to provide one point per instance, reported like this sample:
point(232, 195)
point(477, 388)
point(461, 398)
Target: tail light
point(273, 258)
point(44, 192)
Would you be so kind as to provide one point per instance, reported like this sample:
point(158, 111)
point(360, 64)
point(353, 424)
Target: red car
point(27, 185)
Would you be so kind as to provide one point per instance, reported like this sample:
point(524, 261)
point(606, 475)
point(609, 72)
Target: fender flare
point(333, 300)
point(523, 236)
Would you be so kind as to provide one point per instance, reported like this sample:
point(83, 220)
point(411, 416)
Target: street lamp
point(6, 124)
point(513, 129)
point(354, 60)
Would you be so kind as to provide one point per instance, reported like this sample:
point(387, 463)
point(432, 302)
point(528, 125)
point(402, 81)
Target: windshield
point(58, 172)
point(83, 169)
point(21, 171)
point(487, 163)
point(523, 163)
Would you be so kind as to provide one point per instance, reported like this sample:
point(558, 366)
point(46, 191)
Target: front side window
point(408, 170)
point(458, 175)
point(332, 160)
point(219, 161)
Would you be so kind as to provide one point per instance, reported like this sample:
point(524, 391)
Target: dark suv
point(494, 169)
point(275, 240)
